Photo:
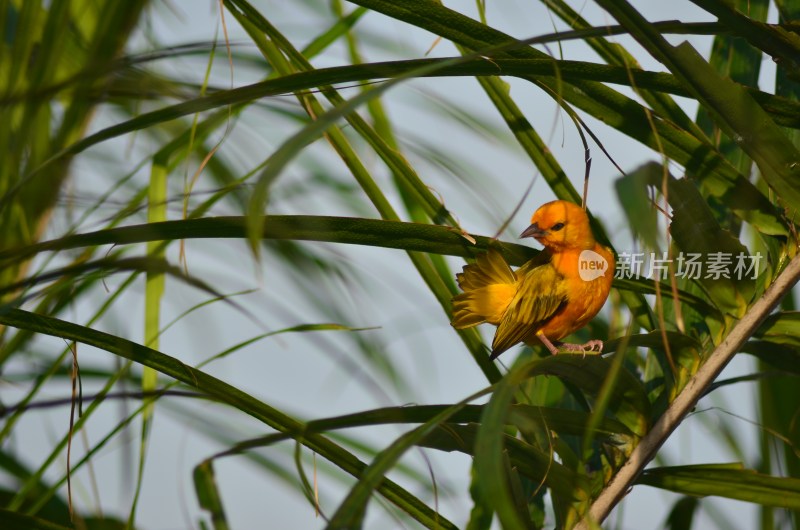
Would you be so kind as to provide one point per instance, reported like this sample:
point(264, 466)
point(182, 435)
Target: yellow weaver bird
point(551, 296)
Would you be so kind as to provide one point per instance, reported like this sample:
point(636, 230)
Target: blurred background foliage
point(178, 217)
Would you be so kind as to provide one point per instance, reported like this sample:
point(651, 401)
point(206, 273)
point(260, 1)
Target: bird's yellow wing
point(490, 268)
point(541, 293)
point(489, 285)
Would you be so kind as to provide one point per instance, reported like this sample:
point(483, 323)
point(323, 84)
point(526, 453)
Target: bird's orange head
point(561, 225)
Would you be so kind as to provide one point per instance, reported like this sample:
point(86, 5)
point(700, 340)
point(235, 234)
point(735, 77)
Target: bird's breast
point(587, 275)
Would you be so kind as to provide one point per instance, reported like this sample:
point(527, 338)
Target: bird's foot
point(594, 346)
point(547, 344)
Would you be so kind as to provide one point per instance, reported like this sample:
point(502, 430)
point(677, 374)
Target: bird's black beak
point(533, 231)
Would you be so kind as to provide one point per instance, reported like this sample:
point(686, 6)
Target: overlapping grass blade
point(726, 480)
point(224, 392)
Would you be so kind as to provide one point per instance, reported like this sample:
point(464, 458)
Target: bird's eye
point(556, 227)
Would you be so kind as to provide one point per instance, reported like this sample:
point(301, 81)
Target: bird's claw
point(593, 346)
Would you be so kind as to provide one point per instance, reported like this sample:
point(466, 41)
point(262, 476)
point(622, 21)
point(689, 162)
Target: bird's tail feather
point(488, 285)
